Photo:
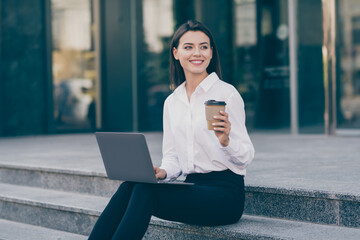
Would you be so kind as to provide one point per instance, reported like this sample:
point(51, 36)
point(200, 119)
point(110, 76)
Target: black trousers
point(217, 198)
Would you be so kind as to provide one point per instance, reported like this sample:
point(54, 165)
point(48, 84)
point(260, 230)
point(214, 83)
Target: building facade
point(85, 65)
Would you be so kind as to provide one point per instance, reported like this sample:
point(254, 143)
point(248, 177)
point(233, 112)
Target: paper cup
point(213, 108)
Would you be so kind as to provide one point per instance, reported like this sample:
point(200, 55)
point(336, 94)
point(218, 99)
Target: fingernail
point(213, 124)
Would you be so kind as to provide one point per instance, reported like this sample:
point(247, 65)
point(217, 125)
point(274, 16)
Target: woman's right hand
point(159, 173)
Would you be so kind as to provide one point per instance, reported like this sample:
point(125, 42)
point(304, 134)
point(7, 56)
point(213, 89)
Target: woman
point(214, 161)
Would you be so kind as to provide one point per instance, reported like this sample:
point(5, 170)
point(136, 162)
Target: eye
point(187, 47)
point(204, 47)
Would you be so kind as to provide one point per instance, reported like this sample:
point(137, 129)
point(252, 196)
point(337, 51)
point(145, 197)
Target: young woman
point(215, 161)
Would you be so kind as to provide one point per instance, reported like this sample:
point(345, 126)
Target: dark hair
point(177, 75)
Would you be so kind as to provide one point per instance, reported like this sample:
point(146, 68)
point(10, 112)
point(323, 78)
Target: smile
point(197, 62)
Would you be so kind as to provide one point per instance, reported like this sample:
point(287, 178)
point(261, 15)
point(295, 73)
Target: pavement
point(307, 162)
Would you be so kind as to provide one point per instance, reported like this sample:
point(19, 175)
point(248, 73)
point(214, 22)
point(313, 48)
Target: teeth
point(196, 62)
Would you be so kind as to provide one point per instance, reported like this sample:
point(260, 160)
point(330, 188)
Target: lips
point(197, 62)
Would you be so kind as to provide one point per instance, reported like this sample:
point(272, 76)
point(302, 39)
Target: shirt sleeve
point(240, 150)
point(170, 160)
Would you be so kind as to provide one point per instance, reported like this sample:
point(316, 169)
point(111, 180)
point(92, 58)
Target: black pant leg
point(138, 213)
point(200, 204)
point(128, 213)
point(110, 218)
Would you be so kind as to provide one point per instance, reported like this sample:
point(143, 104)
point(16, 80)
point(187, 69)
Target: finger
point(224, 113)
point(220, 124)
point(222, 118)
point(219, 129)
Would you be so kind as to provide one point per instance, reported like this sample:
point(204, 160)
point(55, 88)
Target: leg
point(112, 214)
point(200, 204)
point(138, 213)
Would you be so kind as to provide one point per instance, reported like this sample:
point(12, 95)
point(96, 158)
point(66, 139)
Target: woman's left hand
point(222, 129)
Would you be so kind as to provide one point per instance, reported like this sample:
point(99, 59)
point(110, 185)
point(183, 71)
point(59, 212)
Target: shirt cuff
point(230, 149)
point(171, 174)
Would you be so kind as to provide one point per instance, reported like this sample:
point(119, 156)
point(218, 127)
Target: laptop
point(126, 157)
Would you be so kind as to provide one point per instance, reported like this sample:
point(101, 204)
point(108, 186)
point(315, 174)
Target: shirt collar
point(205, 84)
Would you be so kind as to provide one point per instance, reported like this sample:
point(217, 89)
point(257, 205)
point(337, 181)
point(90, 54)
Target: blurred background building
point(85, 65)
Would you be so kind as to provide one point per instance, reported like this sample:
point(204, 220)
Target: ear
point(175, 53)
point(211, 53)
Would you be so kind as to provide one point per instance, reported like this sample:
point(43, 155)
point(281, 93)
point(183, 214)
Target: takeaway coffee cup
point(213, 108)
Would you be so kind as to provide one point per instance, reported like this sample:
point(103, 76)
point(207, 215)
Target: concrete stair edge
point(59, 200)
point(10, 230)
point(249, 227)
point(249, 188)
point(295, 204)
point(331, 195)
point(59, 179)
point(53, 170)
point(255, 227)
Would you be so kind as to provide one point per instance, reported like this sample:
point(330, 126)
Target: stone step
point(64, 211)
point(251, 227)
point(93, 183)
point(303, 205)
point(294, 204)
point(10, 230)
point(77, 213)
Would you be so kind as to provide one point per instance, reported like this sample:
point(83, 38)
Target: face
point(194, 53)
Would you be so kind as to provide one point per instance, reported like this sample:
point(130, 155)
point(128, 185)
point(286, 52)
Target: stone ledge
point(304, 193)
point(250, 227)
point(53, 170)
point(57, 179)
point(50, 199)
point(59, 212)
point(303, 206)
point(19, 231)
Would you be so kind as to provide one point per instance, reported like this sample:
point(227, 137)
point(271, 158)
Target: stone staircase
point(54, 187)
point(45, 203)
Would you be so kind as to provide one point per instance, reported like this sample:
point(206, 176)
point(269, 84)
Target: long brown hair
point(177, 75)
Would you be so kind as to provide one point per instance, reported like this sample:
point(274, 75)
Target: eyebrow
point(193, 44)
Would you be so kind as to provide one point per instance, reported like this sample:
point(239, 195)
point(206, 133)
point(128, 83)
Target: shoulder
point(169, 99)
point(226, 90)
point(226, 87)
point(220, 85)
point(176, 94)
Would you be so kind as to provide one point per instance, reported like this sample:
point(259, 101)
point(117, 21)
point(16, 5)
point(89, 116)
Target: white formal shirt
point(188, 146)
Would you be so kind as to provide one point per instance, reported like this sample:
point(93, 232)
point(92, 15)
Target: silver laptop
point(126, 157)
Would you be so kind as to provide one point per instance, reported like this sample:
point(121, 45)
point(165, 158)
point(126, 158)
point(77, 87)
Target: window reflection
point(245, 74)
point(349, 26)
point(73, 64)
point(158, 25)
point(261, 72)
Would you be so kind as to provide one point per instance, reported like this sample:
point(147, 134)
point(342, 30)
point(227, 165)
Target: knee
point(142, 189)
point(125, 186)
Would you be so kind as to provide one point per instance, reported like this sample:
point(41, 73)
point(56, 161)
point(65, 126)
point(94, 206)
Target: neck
point(192, 81)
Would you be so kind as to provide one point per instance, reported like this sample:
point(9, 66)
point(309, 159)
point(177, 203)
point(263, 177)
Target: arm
point(170, 161)
point(232, 133)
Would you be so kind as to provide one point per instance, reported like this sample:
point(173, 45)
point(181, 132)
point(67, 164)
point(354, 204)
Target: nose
point(197, 51)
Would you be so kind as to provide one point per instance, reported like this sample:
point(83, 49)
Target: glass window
point(158, 27)
point(73, 60)
point(261, 70)
point(245, 55)
point(349, 56)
